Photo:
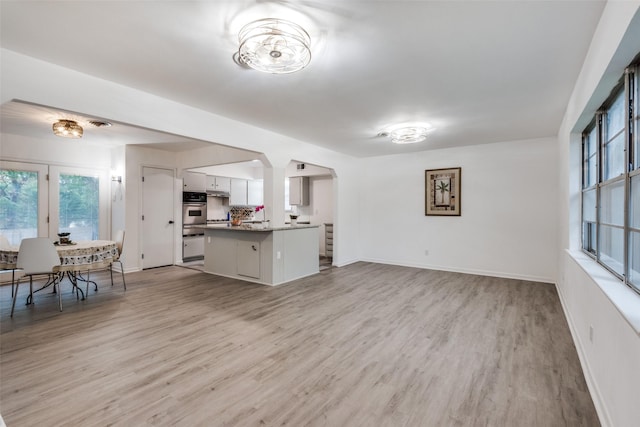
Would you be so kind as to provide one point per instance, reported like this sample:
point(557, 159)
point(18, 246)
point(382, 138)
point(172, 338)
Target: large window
point(611, 183)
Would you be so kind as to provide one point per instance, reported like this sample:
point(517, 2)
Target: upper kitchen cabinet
point(238, 193)
point(255, 192)
point(218, 184)
point(194, 181)
point(299, 190)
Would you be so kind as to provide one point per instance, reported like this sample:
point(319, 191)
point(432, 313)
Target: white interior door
point(157, 217)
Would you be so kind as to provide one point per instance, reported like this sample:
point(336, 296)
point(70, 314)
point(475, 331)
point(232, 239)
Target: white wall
point(54, 151)
point(507, 226)
point(31, 80)
point(591, 299)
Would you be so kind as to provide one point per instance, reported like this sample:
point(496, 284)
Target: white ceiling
point(479, 72)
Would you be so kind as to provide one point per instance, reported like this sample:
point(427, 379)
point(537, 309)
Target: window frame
point(628, 88)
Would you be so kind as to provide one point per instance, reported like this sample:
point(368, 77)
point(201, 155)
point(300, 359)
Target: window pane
point(592, 172)
point(634, 203)
point(589, 242)
point(614, 157)
point(592, 142)
point(79, 203)
point(612, 248)
point(612, 203)
point(634, 260)
point(615, 116)
point(18, 205)
point(589, 205)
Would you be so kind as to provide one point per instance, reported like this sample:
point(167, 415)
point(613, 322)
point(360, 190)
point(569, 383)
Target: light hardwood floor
point(362, 345)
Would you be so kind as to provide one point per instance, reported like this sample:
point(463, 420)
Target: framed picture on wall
point(442, 192)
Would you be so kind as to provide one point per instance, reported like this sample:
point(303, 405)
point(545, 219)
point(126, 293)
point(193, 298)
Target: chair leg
point(111, 272)
point(59, 292)
point(15, 296)
point(122, 272)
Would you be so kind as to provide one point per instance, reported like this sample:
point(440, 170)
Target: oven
point(194, 208)
point(194, 212)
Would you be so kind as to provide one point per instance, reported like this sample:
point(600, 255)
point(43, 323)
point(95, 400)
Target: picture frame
point(442, 192)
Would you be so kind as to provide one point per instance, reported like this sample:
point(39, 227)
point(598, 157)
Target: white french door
point(39, 200)
point(78, 203)
point(24, 198)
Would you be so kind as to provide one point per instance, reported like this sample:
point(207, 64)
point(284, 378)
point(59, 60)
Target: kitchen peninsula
point(266, 255)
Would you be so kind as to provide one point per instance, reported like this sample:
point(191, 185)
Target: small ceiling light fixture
point(100, 123)
point(407, 133)
point(274, 46)
point(67, 129)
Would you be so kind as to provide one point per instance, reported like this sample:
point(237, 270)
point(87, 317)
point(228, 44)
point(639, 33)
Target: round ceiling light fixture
point(274, 46)
point(407, 133)
point(67, 129)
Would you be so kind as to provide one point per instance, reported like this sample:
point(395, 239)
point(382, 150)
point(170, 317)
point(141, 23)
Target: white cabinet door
point(238, 193)
point(299, 190)
point(193, 247)
point(218, 183)
point(211, 183)
point(194, 181)
point(248, 258)
point(255, 192)
point(223, 183)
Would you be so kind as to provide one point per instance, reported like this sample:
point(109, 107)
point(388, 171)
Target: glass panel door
point(78, 203)
point(79, 206)
point(23, 201)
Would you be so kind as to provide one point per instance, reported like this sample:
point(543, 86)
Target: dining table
point(76, 258)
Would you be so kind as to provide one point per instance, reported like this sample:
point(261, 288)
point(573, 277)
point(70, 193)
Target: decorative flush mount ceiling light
point(274, 46)
point(407, 133)
point(67, 129)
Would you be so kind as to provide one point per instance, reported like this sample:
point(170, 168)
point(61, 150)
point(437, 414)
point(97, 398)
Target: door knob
point(170, 222)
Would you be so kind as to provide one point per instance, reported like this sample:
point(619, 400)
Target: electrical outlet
point(278, 255)
point(426, 252)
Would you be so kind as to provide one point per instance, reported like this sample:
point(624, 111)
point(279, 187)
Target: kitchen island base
point(269, 256)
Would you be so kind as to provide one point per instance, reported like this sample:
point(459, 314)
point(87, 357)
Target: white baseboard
point(594, 391)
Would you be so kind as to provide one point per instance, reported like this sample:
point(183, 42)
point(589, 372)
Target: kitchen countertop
point(256, 227)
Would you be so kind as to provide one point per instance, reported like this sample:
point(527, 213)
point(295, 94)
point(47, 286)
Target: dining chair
point(119, 244)
point(37, 256)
